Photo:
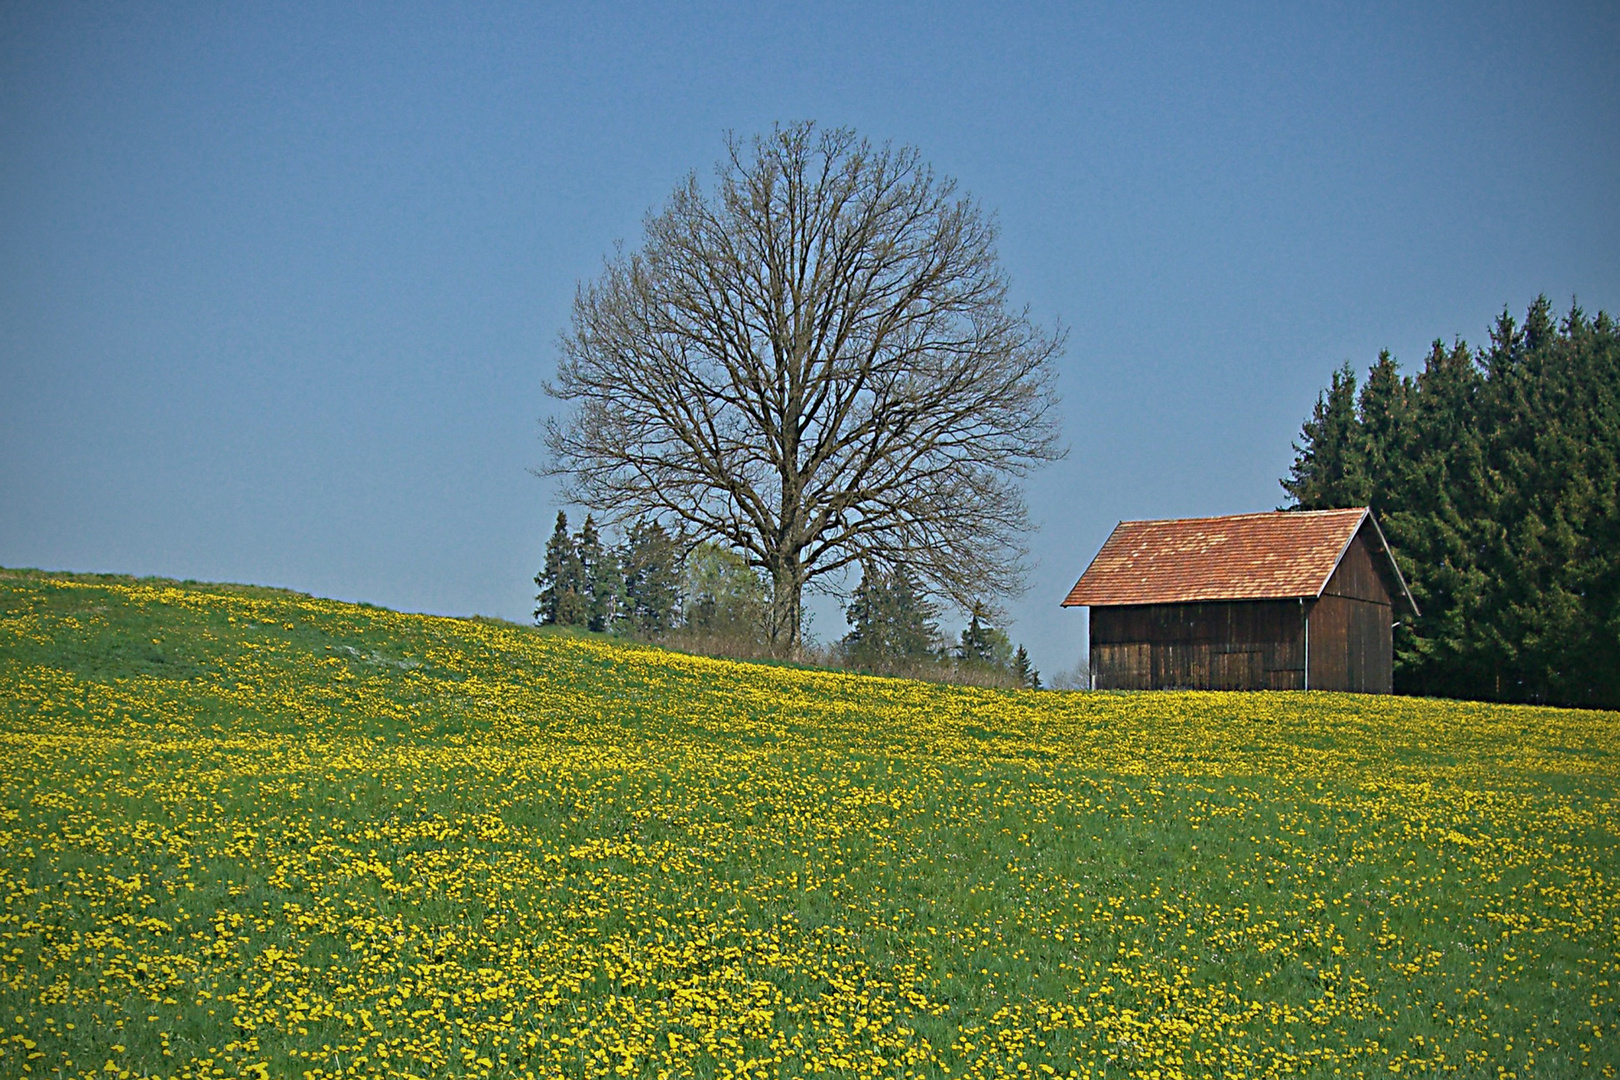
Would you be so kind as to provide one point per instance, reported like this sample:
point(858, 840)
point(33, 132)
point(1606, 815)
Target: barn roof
point(1271, 556)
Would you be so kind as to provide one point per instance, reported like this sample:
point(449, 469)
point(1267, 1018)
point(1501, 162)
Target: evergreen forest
point(1494, 472)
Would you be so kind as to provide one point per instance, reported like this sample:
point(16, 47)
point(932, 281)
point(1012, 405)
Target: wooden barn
point(1291, 600)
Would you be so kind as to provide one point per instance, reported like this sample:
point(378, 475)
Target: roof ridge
point(1248, 514)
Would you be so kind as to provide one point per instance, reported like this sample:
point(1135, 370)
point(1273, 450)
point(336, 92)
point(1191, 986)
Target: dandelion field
point(248, 833)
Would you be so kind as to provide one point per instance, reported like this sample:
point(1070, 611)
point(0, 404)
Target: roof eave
point(1268, 599)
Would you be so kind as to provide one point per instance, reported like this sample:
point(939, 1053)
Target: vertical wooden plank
point(1329, 653)
point(1386, 651)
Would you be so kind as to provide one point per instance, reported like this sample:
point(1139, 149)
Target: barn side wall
point(1351, 637)
point(1242, 645)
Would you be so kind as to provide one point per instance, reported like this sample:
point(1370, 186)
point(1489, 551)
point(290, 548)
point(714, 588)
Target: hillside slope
point(247, 832)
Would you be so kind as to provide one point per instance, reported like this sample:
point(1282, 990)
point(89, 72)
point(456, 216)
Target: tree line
point(1495, 473)
point(657, 586)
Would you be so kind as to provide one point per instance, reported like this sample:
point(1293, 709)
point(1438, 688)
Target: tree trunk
point(782, 622)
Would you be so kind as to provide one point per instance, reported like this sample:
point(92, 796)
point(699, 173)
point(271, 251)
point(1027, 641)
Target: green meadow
point(245, 832)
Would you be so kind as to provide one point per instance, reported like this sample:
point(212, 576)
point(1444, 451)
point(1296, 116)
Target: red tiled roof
point(1270, 556)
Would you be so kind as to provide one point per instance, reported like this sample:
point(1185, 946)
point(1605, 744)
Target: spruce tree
point(982, 645)
point(1328, 472)
point(892, 625)
point(1445, 528)
point(1554, 464)
point(1383, 424)
point(561, 581)
point(1024, 671)
point(651, 565)
point(601, 584)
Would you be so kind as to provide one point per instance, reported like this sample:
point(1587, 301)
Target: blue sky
point(281, 283)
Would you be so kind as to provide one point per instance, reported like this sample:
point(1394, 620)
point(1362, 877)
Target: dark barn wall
point(1351, 646)
point(1351, 637)
point(1239, 645)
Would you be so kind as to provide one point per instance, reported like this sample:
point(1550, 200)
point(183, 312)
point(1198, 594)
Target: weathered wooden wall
point(1351, 632)
point(1239, 645)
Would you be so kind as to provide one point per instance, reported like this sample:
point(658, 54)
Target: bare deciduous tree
point(818, 364)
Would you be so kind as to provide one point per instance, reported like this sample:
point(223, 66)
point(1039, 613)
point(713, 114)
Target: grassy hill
point(247, 832)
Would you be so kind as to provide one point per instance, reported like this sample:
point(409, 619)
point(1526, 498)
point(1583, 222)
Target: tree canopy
point(1496, 476)
point(816, 364)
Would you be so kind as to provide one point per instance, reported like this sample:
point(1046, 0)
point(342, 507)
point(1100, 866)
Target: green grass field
point(249, 833)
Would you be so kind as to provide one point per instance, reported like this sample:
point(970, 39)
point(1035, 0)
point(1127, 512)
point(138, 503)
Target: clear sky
point(279, 283)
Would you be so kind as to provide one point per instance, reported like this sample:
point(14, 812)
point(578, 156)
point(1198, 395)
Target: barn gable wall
point(1351, 637)
point(1361, 574)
